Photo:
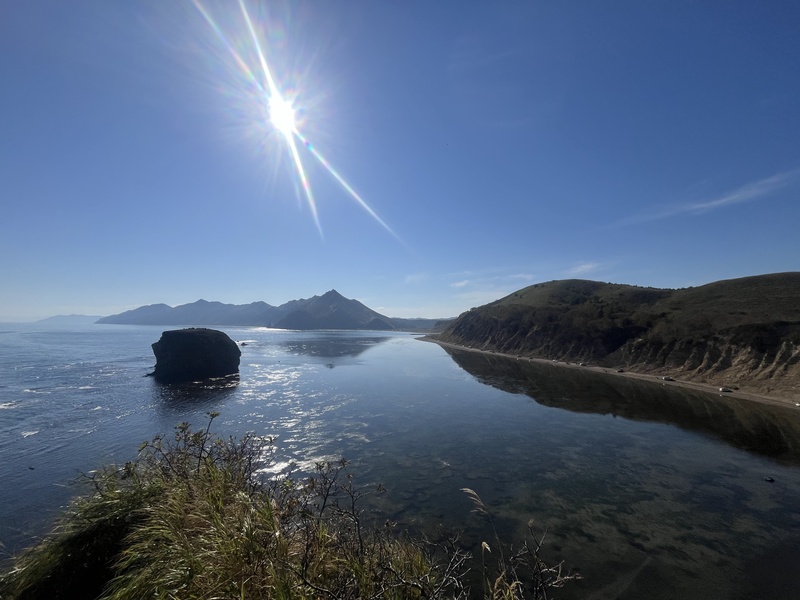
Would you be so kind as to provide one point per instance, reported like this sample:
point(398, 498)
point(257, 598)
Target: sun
point(281, 113)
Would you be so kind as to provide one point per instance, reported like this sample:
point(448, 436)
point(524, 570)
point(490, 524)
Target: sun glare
point(281, 113)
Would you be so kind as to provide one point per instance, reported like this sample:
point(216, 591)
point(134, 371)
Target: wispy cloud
point(479, 288)
point(746, 193)
point(495, 281)
point(749, 192)
point(415, 278)
point(481, 297)
point(584, 268)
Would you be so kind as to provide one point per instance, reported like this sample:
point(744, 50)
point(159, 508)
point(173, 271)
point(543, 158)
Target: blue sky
point(492, 146)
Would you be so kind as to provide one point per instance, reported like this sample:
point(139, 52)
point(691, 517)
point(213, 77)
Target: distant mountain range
point(69, 320)
point(329, 311)
point(740, 332)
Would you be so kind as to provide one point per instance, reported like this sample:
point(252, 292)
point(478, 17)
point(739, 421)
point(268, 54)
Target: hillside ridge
point(740, 332)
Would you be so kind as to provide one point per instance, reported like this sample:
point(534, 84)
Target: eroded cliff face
point(722, 360)
point(763, 358)
point(543, 334)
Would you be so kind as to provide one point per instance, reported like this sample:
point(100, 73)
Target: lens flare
point(282, 115)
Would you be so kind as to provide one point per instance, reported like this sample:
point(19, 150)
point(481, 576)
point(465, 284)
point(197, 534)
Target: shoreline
point(654, 379)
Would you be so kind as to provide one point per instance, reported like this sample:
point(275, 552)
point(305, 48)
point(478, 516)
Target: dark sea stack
point(194, 354)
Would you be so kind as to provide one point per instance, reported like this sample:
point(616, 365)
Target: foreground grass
point(192, 518)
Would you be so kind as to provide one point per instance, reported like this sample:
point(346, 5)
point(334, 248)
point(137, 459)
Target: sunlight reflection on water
point(632, 486)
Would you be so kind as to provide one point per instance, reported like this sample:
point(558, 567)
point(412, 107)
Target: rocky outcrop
point(194, 354)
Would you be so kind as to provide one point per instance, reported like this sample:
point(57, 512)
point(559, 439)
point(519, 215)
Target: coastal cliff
point(742, 332)
point(725, 358)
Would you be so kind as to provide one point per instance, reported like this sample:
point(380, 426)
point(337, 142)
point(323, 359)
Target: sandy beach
point(651, 378)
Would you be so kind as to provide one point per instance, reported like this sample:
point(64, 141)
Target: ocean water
point(648, 491)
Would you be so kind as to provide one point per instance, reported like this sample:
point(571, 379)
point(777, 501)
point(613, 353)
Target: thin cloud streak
point(746, 193)
point(415, 278)
point(584, 268)
point(750, 191)
point(481, 289)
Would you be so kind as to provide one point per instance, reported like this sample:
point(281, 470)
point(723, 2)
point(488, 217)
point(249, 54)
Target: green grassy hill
point(737, 331)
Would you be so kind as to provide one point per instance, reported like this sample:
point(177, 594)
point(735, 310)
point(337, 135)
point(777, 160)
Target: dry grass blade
point(478, 505)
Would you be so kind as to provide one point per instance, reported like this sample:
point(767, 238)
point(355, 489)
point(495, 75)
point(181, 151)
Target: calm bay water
point(650, 492)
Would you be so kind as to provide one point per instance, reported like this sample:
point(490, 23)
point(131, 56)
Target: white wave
point(278, 467)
